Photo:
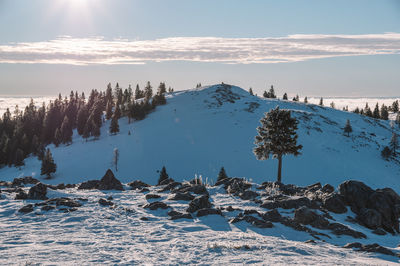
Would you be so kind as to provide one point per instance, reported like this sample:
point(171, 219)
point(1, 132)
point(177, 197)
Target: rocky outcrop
point(156, 205)
point(174, 215)
point(186, 196)
point(137, 184)
point(152, 196)
point(375, 248)
point(200, 202)
point(38, 192)
point(26, 209)
point(109, 182)
point(208, 211)
point(104, 202)
point(91, 184)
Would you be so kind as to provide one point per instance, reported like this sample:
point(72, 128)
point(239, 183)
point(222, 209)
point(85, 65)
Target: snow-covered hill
point(200, 130)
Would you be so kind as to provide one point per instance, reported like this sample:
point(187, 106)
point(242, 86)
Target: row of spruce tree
point(29, 131)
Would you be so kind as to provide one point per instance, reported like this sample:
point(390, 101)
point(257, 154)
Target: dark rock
point(334, 203)
point(91, 184)
point(152, 196)
point(251, 211)
point(248, 195)
point(144, 218)
point(47, 208)
point(310, 241)
point(26, 208)
point(143, 190)
point(355, 194)
point(109, 182)
point(61, 186)
point(314, 187)
point(197, 189)
point(65, 202)
point(182, 196)
point(21, 195)
point(370, 218)
point(181, 216)
point(173, 213)
point(375, 248)
point(17, 182)
point(208, 211)
point(166, 182)
point(305, 215)
point(340, 229)
point(253, 220)
point(170, 186)
point(237, 186)
point(137, 184)
point(290, 203)
point(327, 189)
point(104, 202)
point(110, 198)
point(379, 231)
point(200, 202)
point(385, 205)
point(156, 205)
point(272, 216)
point(231, 209)
point(70, 185)
point(38, 192)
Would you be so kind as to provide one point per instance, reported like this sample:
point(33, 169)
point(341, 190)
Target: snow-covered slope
point(200, 130)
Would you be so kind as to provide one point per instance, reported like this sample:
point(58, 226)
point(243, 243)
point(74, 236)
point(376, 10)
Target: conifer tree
point(163, 176)
point(48, 165)
point(357, 110)
point(82, 119)
point(333, 105)
point(285, 97)
point(277, 137)
point(109, 111)
point(222, 174)
point(347, 128)
point(251, 92)
point(395, 106)
point(386, 153)
point(272, 92)
point(148, 92)
point(397, 121)
point(19, 157)
point(138, 92)
point(114, 126)
point(321, 102)
point(57, 137)
point(376, 113)
point(305, 99)
point(117, 112)
point(66, 131)
point(95, 130)
point(384, 112)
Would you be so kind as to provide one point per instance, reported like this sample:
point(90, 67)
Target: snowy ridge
point(200, 130)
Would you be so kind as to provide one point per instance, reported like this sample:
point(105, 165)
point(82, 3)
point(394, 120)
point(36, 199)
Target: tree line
point(27, 132)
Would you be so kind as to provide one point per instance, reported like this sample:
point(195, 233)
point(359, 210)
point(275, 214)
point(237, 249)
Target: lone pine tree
point(277, 137)
point(163, 176)
point(222, 174)
point(48, 165)
point(394, 143)
point(114, 126)
point(347, 128)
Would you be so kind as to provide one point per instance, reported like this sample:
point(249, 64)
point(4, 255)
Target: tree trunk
point(279, 168)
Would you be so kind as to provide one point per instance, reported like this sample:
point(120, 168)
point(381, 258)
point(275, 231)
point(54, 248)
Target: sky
point(313, 48)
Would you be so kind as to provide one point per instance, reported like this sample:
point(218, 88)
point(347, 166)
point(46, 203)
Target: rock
point(200, 202)
point(170, 186)
point(91, 184)
point(166, 182)
point(208, 211)
point(355, 194)
point(61, 186)
point(137, 184)
point(248, 195)
point(173, 213)
point(327, 189)
point(182, 196)
point(110, 198)
point(310, 241)
point(376, 248)
point(379, 231)
point(181, 216)
point(143, 190)
point(272, 216)
point(314, 187)
point(370, 218)
point(156, 205)
point(109, 182)
point(66, 202)
point(17, 182)
point(231, 209)
point(237, 185)
point(385, 205)
point(21, 195)
point(253, 220)
point(70, 185)
point(305, 215)
point(340, 229)
point(47, 208)
point(251, 211)
point(38, 192)
point(334, 203)
point(144, 218)
point(152, 196)
point(104, 202)
point(290, 203)
point(26, 209)
point(196, 189)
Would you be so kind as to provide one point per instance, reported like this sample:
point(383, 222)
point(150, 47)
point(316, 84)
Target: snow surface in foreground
point(100, 235)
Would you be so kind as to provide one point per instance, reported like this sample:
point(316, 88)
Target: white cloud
point(293, 48)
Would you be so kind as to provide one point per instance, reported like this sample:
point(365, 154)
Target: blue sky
point(364, 69)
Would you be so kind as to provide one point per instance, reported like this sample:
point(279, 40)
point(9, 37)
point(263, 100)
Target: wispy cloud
point(293, 48)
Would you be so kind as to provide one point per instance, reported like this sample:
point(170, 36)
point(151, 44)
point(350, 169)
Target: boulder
point(334, 203)
point(91, 184)
point(174, 215)
point(182, 196)
point(47, 208)
point(208, 211)
point(200, 202)
point(340, 229)
point(26, 209)
point(104, 202)
point(327, 189)
point(355, 194)
point(137, 184)
point(152, 196)
point(370, 218)
point(290, 203)
point(272, 216)
point(170, 186)
point(21, 195)
point(156, 205)
point(376, 248)
point(109, 182)
point(253, 221)
point(305, 215)
point(248, 195)
point(38, 192)
point(237, 185)
point(194, 188)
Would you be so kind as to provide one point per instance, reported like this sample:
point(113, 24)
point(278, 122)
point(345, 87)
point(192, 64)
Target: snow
point(103, 235)
point(198, 131)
